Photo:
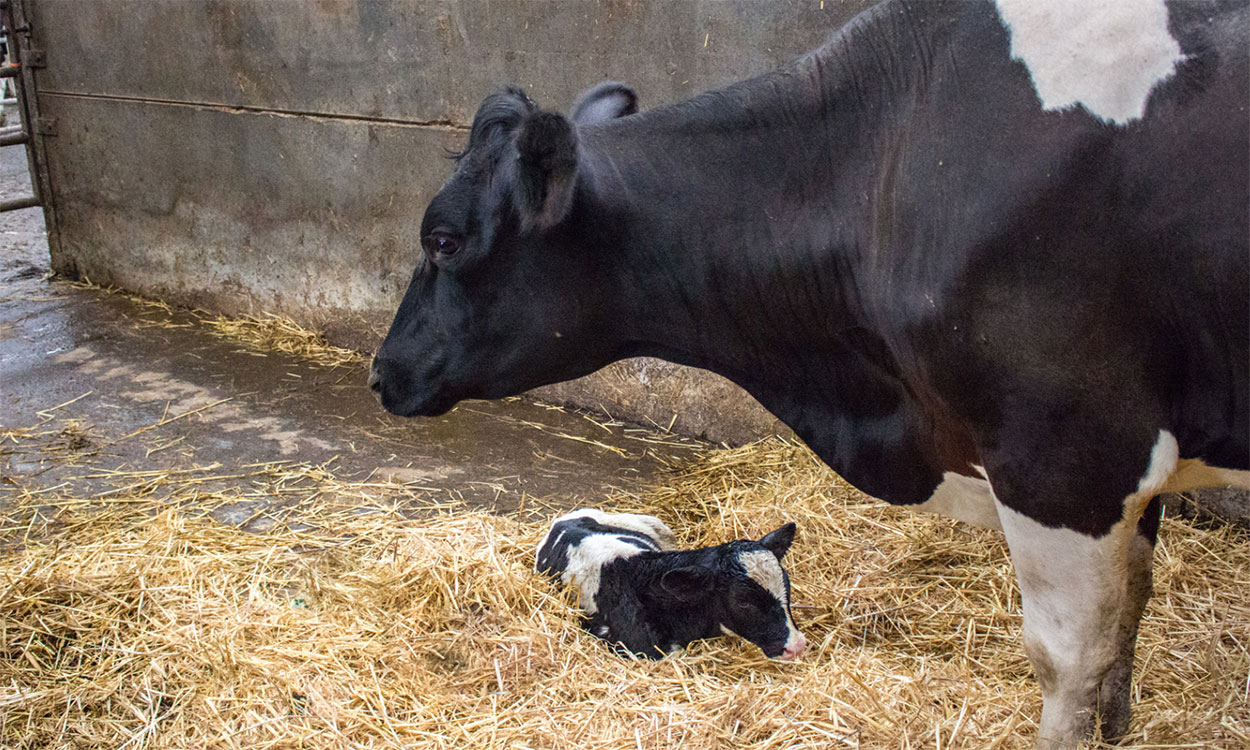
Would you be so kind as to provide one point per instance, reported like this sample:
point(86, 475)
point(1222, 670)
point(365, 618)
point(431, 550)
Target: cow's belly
point(971, 499)
point(964, 498)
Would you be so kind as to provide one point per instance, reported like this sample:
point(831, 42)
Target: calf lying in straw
point(648, 599)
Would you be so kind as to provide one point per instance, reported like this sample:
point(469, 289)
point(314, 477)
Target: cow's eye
point(744, 605)
point(440, 245)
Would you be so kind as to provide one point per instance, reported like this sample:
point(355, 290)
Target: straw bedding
point(140, 624)
point(263, 333)
point(346, 614)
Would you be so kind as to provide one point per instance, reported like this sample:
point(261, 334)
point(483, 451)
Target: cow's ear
point(606, 101)
point(779, 541)
point(546, 169)
point(687, 584)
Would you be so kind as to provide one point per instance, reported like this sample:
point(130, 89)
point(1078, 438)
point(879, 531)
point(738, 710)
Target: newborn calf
point(648, 599)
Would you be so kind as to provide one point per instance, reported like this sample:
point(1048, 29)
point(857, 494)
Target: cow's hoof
point(1115, 702)
point(1114, 723)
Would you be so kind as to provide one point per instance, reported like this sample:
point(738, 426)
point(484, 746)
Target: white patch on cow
point(1074, 589)
point(1106, 54)
point(964, 498)
point(586, 561)
point(1164, 458)
point(1170, 473)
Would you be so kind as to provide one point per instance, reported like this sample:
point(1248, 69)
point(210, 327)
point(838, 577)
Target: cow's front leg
point(1083, 593)
point(1115, 695)
point(1083, 599)
point(1074, 591)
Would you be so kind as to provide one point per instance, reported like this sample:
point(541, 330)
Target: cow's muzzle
point(404, 395)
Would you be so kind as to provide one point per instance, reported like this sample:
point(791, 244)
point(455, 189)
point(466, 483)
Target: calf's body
point(648, 599)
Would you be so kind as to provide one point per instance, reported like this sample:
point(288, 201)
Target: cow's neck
point(743, 219)
point(748, 246)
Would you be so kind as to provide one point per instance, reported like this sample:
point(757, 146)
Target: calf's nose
point(794, 648)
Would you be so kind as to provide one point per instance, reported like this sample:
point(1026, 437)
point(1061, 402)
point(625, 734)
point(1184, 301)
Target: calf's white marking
point(763, 568)
point(649, 526)
point(1105, 54)
point(587, 559)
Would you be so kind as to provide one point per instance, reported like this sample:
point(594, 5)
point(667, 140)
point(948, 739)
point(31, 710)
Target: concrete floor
point(100, 396)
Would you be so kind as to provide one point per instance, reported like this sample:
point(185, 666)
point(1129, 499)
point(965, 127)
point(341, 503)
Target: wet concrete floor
point(102, 396)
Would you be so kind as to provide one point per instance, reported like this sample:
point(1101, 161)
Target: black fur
point(497, 118)
point(546, 166)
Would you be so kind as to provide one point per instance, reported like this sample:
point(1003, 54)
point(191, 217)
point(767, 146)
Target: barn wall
point(252, 155)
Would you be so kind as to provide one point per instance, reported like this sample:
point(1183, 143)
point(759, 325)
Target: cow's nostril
point(375, 380)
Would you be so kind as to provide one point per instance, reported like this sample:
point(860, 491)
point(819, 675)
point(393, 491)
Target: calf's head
point(744, 591)
point(508, 293)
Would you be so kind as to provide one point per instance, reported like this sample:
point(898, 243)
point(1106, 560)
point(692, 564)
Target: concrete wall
point(275, 155)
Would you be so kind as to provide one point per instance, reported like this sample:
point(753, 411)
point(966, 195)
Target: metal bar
point(18, 16)
point(8, 101)
point(10, 71)
point(14, 139)
point(14, 204)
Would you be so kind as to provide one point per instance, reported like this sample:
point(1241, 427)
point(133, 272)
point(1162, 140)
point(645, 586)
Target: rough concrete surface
point(686, 400)
point(101, 395)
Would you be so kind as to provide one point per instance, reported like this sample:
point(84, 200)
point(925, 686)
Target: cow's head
point(745, 592)
point(508, 294)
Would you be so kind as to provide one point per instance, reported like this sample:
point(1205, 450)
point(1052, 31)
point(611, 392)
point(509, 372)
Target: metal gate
point(23, 59)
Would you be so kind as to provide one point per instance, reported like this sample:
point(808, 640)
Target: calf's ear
point(778, 542)
point(546, 169)
point(687, 584)
point(605, 101)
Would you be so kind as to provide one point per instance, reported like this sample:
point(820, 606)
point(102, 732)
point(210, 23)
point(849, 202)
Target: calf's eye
point(441, 245)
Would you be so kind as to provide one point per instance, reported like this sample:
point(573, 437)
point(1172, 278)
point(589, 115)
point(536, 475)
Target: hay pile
point(131, 626)
point(268, 332)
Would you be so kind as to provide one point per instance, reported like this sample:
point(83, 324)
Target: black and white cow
point(649, 599)
point(986, 258)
